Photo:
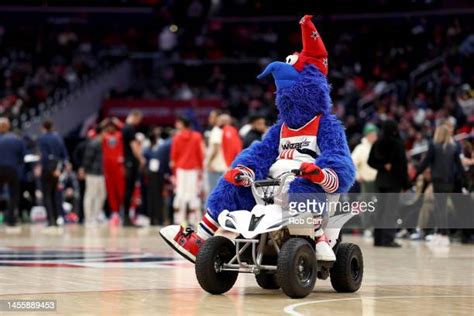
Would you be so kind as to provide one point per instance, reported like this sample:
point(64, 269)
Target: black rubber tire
point(267, 281)
point(297, 252)
point(215, 249)
point(348, 271)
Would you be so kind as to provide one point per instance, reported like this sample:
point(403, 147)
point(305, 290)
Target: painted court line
point(290, 309)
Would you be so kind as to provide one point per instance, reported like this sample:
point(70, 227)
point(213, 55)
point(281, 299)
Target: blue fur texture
point(308, 97)
point(297, 105)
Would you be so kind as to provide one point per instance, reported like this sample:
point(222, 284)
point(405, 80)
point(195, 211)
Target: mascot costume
point(306, 137)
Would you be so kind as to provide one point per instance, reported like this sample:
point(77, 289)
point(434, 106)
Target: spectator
point(216, 164)
point(78, 159)
point(95, 194)
point(12, 156)
point(69, 195)
point(365, 174)
point(387, 156)
point(158, 159)
point(53, 158)
point(187, 156)
point(257, 129)
point(231, 141)
point(444, 160)
point(113, 164)
point(133, 161)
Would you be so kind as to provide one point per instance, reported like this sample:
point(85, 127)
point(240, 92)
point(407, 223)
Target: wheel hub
point(304, 271)
point(355, 268)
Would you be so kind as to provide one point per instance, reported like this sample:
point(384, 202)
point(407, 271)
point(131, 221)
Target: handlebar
point(272, 182)
point(279, 181)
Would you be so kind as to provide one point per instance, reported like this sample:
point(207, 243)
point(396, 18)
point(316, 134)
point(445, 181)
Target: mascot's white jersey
point(297, 146)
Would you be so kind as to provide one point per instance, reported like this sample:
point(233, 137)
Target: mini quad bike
point(281, 255)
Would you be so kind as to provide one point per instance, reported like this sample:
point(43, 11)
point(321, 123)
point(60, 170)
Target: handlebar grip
point(297, 172)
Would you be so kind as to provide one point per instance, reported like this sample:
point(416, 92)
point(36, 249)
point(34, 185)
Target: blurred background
point(76, 64)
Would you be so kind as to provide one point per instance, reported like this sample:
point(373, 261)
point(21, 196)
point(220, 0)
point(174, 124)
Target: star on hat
point(314, 52)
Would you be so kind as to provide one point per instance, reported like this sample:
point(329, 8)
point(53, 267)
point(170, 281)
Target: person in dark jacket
point(388, 157)
point(158, 158)
point(444, 160)
point(258, 128)
point(133, 161)
point(95, 194)
point(13, 151)
point(77, 158)
point(54, 156)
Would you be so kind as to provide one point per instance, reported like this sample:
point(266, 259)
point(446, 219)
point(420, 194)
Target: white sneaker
point(324, 252)
point(402, 234)
point(429, 237)
point(418, 235)
point(368, 234)
point(60, 221)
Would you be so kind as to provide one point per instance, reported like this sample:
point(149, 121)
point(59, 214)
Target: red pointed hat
point(314, 52)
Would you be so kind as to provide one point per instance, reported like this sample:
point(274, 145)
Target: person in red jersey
point(112, 148)
point(187, 157)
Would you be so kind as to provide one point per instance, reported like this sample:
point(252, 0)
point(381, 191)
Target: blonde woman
point(443, 158)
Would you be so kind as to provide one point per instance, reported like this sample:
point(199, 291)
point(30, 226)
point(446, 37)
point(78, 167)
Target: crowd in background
point(121, 176)
point(201, 54)
point(118, 173)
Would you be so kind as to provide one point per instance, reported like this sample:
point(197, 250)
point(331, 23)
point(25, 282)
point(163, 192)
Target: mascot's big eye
point(291, 59)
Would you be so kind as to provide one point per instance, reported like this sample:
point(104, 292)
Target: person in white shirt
point(216, 164)
point(365, 174)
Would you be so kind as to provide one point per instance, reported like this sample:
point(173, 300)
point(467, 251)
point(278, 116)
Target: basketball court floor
point(98, 271)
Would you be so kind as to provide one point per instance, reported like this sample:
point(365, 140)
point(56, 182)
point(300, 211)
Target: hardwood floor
point(132, 272)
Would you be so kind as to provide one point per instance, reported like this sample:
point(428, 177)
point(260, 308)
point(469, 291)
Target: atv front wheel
point(297, 268)
point(213, 254)
point(348, 270)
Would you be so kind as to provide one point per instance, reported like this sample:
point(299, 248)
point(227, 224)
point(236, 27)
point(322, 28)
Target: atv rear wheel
point(348, 270)
point(267, 281)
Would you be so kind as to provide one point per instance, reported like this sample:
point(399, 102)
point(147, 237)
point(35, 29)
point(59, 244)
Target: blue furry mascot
point(306, 137)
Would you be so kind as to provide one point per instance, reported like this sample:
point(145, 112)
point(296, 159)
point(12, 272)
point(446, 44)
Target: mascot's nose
point(284, 74)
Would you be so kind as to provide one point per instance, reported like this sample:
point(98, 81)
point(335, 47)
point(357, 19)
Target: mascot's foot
point(324, 252)
point(185, 241)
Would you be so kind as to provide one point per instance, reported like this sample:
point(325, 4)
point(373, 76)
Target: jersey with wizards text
point(300, 144)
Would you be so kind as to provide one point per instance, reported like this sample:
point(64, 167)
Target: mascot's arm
point(335, 159)
point(261, 155)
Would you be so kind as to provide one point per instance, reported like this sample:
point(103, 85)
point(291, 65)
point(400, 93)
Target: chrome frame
point(237, 265)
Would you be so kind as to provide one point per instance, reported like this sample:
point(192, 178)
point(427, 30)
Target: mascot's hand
point(312, 172)
point(240, 176)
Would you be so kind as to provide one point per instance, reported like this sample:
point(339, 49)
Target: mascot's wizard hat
point(313, 53)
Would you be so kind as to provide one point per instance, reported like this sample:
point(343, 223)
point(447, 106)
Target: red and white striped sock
point(207, 227)
point(330, 183)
